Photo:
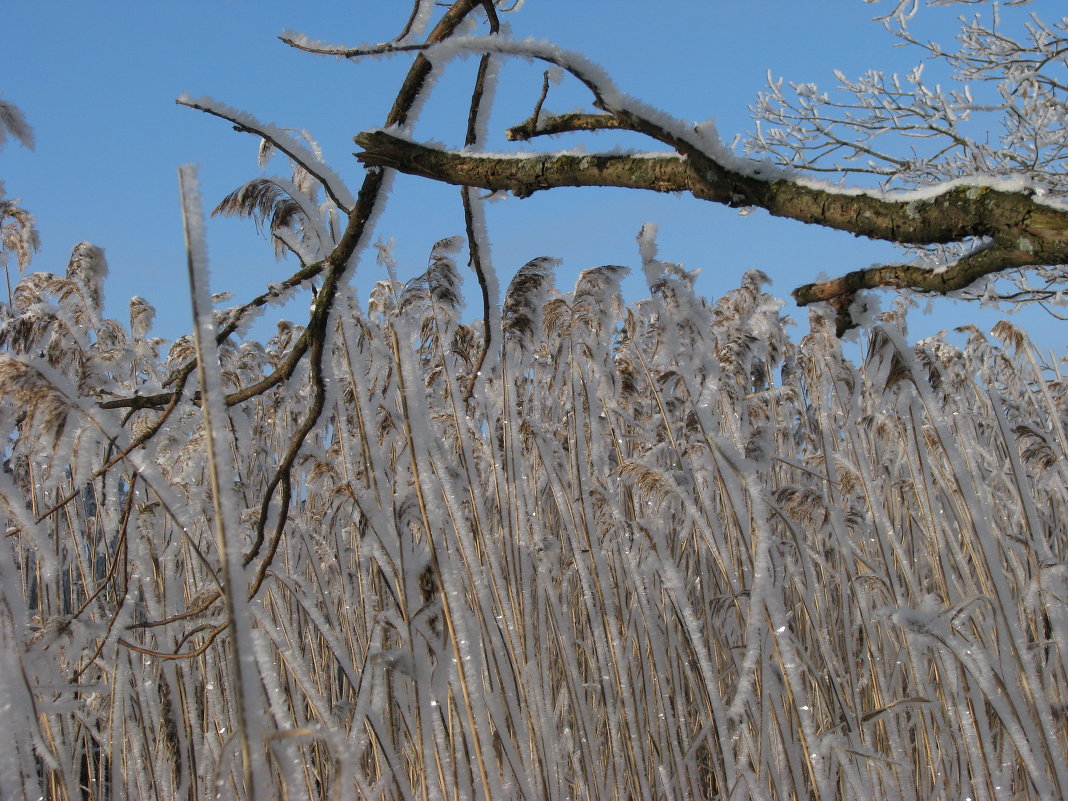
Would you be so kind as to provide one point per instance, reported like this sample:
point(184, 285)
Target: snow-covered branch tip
point(299, 41)
point(283, 141)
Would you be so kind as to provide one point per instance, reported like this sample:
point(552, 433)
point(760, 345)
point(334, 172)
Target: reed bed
point(654, 551)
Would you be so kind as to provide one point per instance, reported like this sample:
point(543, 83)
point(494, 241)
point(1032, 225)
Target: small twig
point(127, 506)
point(474, 246)
point(564, 123)
point(407, 26)
point(205, 603)
point(200, 649)
point(120, 548)
point(290, 152)
point(315, 337)
point(474, 249)
point(352, 52)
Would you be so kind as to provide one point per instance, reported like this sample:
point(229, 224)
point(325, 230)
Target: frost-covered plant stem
point(247, 705)
point(658, 557)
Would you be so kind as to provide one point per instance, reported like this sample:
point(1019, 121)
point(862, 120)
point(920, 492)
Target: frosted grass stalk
point(496, 615)
point(466, 649)
point(17, 777)
point(978, 502)
point(245, 672)
point(721, 718)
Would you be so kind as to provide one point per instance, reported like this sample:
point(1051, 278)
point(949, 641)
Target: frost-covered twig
point(282, 141)
point(474, 218)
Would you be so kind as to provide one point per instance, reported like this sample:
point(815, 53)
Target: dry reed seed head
point(737, 306)
point(182, 350)
point(18, 233)
point(278, 345)
point(597, 300)
point(22, 333)
point(628, 376)
point(383, 299)
point(435, 292)
point(258, 199)
point(264, 152)
point(112, 341)
point(251, 358)
point(31, 290)
point(1010, 336)
point(450, 431)
point(524, 301)
point(86, 272)
point(268, 203)
point(557, 317)
point(48, 319)
point(306, 183)
point(931, 366)
point(386, 426)
point(760, 445)
point(442, 277)
point(1036, 448)
point(806, 505)
point(45, 408)
point(652, 485)
point(467, 346)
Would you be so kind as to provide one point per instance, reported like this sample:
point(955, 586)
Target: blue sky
point(98, 82)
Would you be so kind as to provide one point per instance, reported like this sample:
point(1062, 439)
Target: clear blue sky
point(98, 81)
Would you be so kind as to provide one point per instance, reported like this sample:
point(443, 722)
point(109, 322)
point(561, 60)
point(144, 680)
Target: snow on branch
point(1025, 230)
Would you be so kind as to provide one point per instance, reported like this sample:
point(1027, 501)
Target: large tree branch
point(1021, 231)
point(524, 175)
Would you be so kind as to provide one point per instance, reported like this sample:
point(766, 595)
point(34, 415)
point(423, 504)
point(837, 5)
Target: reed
point(660, 551)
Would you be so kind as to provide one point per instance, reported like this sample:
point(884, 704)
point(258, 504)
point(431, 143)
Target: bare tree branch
point(1019, 229)
point(474, 232)
point(1023, 231)
point(562, 123)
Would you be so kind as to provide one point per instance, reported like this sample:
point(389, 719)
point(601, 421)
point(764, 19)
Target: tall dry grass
point(661, 552)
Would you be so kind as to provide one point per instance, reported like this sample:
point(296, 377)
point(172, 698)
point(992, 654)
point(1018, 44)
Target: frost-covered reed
point(660, 552)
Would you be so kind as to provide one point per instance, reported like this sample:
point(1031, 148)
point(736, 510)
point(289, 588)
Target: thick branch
point(523, 176)
point(1023, 232)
